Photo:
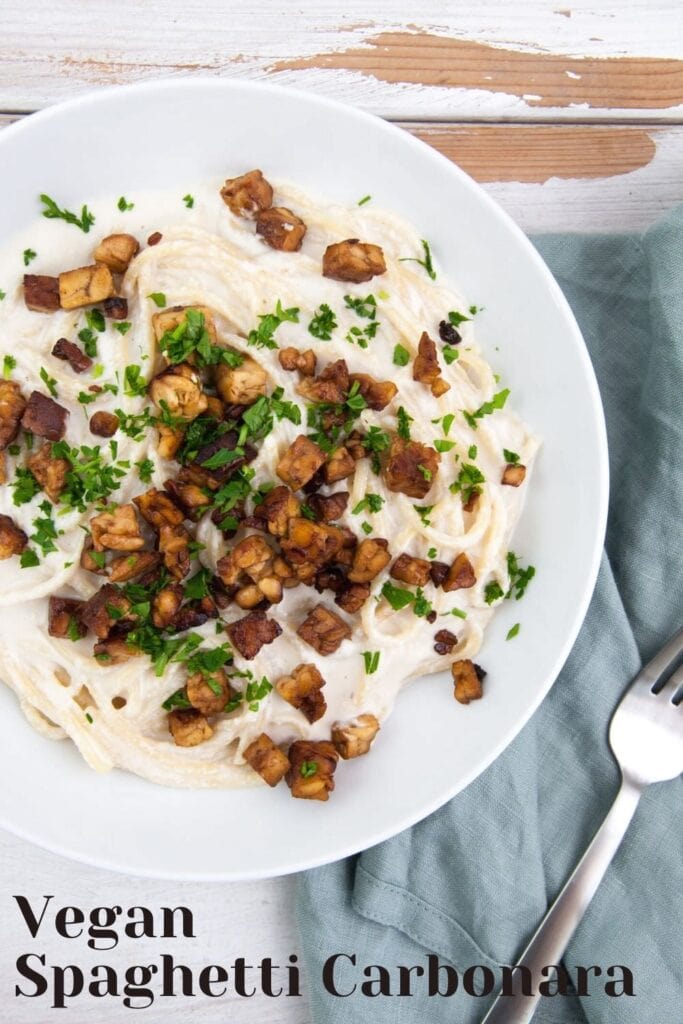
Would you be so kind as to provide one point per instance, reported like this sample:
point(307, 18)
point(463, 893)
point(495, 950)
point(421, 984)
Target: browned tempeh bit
point(247, 194)
point(352, 739)
point(41, 293)
point(129, 567)
point(461, 575)
point(300, 462)
point(352, 260)
point(13, 540)
point(208, 692)
point(312, 766)
point(85, 286)
point(513, 474)
point(71, 354)
point(467, 678)
point(104, 424)
point(64, 617)
point(294, 359)
point(411, 467)
point(407, 569)
point(371, 556)
point(266, 759)
point(243, 384)
point(249, 634)
point(377, 393)
point(158, 509)
point(50, 472)
point(426, 367)
point(44, 417)
point(117, 529)
point(280, 228)
point(180, 387)
point(104, 610)
point(188, 727)
point(302, 688)
point(116, 252)
point(12, 405)
point(323, 630)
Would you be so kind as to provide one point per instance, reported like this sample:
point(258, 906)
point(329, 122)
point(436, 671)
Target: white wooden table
point(570, 116)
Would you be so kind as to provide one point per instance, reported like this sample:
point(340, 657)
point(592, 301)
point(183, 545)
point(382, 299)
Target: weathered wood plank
point(432, 60)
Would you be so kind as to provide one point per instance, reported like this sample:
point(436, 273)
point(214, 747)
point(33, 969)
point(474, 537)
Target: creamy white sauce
point(208, 256)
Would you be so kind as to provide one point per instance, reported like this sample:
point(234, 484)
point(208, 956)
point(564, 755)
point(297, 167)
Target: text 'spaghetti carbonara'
point(255, 475)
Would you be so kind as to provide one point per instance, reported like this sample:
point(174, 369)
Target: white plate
point(167, 134)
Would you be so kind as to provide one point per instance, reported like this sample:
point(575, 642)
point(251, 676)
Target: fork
point(646, 737)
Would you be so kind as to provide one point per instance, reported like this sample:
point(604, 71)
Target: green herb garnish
point(401, 356)
point(323, 323)
point(158, 298)
point(263, 335)
point(371, 659)
point(123, 205)
point(426, 260)
point(53, 212)
point(497, 402)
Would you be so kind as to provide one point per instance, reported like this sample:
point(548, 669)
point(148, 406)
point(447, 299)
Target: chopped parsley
point(73, 631)
point(90, 479)
point(497, 402)
point(493, 592)
point(29, 559)
point(176, 700)
point(191, 338)
point(45, 533)
point(364, 200)
point(404, 421)
point(133, 381)
point(426, 260)
point(472, 451)
point(459, 614)
point(198, 585)
point(512, 458)
point(2, 294)
point(424, 472)
point(318, 414)
point(468, 482)
point(423, 512)
point(323, 323)
point(259, 417)
point(513, 631)
point(456, 318)
point(520, 578)
point(209, 660)
point(86, 397)
point(123, 326)
point(450, 354)
point(189, 201)
point(263, 335)
point(371, 659)
point(254, 693)
point(145, 469)
point(308, 769)
point(123, 205)
point(365, 309)
point(25, 486)
point(432, 553)
point(53, 212)
point(49, 382)
point(134, 425)
point(307, 512)
point(28, 256)
point(375, 442)
point(8, 364)
point(401, 356)
point(158, 298)
point(366, 528)
point(399, 598)
point(371, 502)
point(95, 321)
point(443, 446)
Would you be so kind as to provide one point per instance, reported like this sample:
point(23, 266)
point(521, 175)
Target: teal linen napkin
point(471, 882)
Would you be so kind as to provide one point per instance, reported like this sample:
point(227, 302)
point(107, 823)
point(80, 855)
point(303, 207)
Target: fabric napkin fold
point(471, 882)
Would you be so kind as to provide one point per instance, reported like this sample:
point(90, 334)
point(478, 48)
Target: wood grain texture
point(431, 60)
point(541, 79)
point(536, 153)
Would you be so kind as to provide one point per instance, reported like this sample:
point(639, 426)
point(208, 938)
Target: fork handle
point(557, 927)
